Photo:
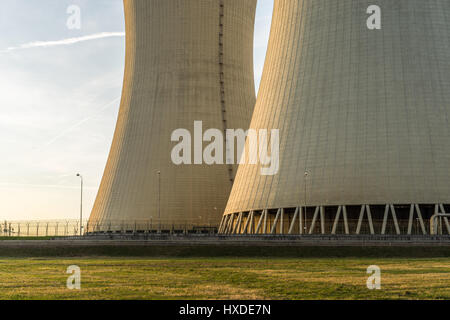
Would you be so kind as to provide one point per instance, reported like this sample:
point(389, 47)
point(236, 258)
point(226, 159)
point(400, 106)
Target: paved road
point(247, 241)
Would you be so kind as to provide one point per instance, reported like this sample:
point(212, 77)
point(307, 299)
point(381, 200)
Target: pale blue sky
point(59, 104)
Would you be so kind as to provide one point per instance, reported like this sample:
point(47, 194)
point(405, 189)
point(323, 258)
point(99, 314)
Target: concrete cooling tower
point(186, 61)
point(363, 117)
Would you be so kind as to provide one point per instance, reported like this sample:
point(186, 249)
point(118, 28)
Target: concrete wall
point(364, 112)
point(177, 66)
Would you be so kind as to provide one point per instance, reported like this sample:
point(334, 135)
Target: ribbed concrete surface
point(365, 113)
point(174, 76)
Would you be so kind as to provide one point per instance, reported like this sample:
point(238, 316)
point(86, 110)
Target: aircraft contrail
point(64, 42)
point(63, 133)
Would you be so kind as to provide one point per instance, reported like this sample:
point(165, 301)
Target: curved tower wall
point(186, 61)
point(364, 112)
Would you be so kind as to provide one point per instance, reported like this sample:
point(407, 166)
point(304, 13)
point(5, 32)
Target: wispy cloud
point(79, 123)
point(39, 186)
point(64, 42)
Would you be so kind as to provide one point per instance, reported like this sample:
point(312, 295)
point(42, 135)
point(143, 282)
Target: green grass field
point(225, 278)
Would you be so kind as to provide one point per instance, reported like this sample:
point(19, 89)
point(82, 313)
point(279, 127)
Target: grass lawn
point(224, 278)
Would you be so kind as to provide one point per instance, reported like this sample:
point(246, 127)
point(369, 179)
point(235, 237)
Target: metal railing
point(55, 228)
point(66, 228)
point(152, 226)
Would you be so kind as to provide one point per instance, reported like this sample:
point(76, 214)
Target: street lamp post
point(81, 205)
point(306, 176)
point(159, 200)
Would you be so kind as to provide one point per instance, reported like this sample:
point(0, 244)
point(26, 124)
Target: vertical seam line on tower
point(222, 81)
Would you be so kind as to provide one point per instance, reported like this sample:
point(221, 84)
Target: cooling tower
point(363, 119)
point(186, 61)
